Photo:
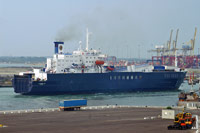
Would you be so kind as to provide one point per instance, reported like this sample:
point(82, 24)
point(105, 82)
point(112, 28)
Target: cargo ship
point(86, 71)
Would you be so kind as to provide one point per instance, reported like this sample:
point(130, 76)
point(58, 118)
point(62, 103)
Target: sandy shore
point(118, 120)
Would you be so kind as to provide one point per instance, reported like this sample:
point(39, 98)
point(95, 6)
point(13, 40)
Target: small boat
point(189, 96)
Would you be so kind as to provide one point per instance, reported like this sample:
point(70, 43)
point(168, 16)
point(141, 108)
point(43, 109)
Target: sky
point(123, 28)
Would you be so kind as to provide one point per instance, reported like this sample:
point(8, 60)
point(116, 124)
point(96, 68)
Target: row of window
point(125, 77)
point(75, 61)
point(90, 57)
point(71, 56)
point(79, 56)
point(59, 64)
point(86, 57)
point(68, 61)
point(171, 75)
point(89, 61)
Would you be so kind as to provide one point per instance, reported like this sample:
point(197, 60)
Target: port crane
point(190, 48)
point(169, 43)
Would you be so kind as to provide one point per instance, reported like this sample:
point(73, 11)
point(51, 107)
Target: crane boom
point(175, 48)
point(175, 42)
point(194, 40)
point(193, 43)
point(176, 38)
point(170, 39)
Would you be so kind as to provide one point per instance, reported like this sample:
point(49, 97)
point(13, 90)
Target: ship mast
point(175, 44)
point(80, 43)
point(87, 39)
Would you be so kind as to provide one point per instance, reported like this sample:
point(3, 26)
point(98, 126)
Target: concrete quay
point(98, 119)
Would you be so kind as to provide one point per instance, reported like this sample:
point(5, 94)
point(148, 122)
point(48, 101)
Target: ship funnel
point(59, 47)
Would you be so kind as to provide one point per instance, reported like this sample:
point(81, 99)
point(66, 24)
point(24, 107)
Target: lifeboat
point(99, 62)
point(110, 68)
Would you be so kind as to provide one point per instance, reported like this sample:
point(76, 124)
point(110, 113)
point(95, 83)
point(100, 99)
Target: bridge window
point(110, 77)
point(123, 77)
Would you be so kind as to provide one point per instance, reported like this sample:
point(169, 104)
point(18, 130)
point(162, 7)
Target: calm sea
point(12, 101)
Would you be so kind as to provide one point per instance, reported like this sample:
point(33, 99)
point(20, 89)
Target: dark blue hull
point(78, 83)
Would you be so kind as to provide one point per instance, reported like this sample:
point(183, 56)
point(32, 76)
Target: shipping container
point(72, 104)
point(159, 67)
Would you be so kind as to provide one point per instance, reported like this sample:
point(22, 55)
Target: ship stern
point(22, 83)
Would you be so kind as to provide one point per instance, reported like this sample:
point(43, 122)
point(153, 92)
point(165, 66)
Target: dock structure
point(111, 118)
point(103, 107)
point(189, 104)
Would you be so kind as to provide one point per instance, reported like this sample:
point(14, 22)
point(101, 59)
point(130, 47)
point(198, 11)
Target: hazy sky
point(119, 27)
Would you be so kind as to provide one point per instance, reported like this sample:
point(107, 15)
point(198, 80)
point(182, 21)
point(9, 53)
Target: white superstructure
point(66, 62)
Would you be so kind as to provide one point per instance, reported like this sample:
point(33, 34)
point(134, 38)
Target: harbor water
point(12, 101)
